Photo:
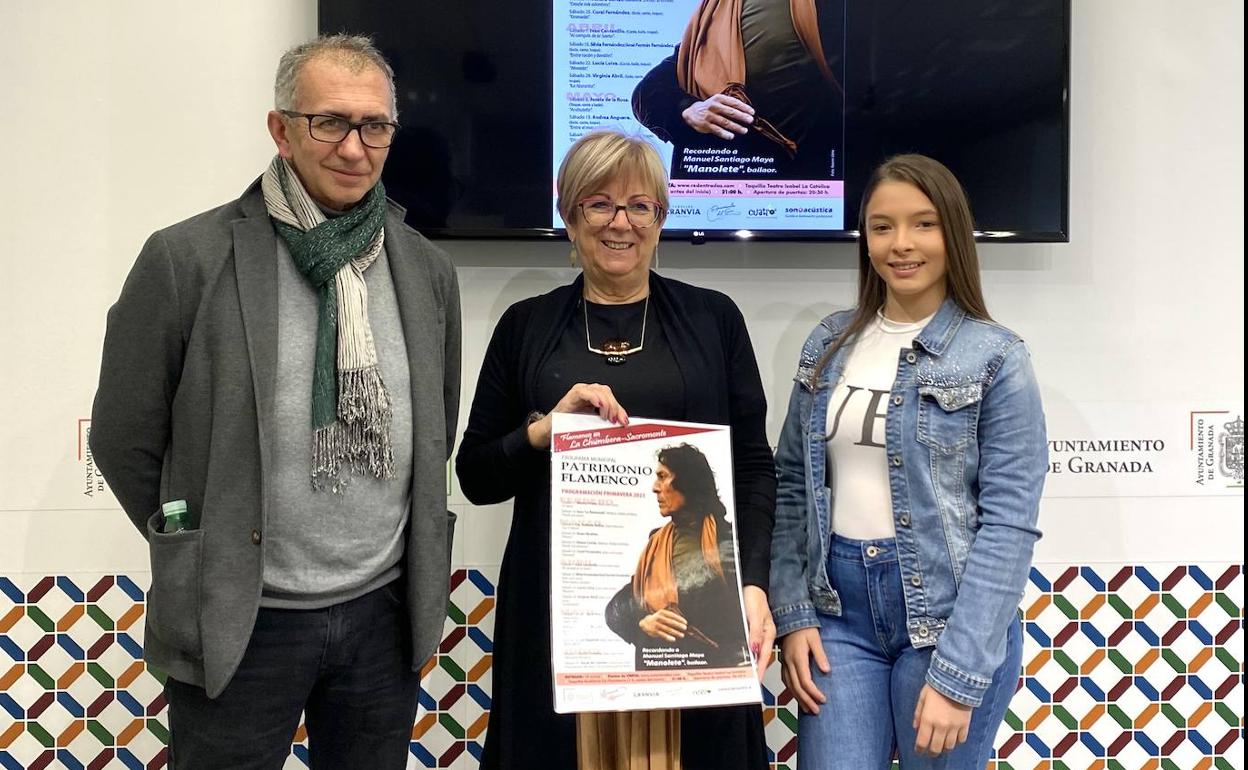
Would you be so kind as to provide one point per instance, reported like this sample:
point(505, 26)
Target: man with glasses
point(286, 368)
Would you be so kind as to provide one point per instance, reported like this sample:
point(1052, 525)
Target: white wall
point(123, 117)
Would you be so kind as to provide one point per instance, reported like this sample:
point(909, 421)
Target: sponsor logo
point(763, 213)
point(799, 210)
point(571, 695)
point(685, 211)
point(722, 211)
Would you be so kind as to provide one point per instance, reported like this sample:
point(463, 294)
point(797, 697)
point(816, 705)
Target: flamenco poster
point(646, 605)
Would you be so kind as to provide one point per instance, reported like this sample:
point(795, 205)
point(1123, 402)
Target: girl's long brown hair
point(956, 226)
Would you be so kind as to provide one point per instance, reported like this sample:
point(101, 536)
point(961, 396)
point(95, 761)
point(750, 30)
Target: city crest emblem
point(1231, 441)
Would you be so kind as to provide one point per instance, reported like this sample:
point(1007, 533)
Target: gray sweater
point(326, 547)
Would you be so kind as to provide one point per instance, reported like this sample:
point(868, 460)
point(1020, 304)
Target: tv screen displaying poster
point(491, 95)
point(742, 98)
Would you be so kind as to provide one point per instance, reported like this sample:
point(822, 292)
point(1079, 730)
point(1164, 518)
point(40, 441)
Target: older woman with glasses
point(618, 340)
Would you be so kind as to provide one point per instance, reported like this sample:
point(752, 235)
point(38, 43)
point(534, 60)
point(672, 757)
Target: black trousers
point(346, 667)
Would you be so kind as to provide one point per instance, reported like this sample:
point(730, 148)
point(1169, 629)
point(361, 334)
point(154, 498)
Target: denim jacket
point(967, 456)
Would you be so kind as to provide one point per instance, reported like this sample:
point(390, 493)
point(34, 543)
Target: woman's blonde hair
point(603, 155)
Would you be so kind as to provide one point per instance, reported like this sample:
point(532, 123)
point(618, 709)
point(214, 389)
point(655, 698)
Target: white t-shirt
point(862, 503)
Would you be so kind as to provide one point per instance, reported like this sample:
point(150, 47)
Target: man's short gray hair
point(352, 51)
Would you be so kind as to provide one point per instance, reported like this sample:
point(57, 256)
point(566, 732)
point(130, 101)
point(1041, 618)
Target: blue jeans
point(348, 667)
point(876, 675)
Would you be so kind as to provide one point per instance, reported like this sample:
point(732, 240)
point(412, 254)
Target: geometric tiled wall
point(1130, 667)
point(1126, 667)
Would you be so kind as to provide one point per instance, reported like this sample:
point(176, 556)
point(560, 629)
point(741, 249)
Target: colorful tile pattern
point(1125, 668)
point(73, 687)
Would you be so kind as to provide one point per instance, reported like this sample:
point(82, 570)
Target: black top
point(647, 383)
point(781, 76)
point(719, 383)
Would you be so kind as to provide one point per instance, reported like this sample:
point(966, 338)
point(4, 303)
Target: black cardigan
point(712, 348)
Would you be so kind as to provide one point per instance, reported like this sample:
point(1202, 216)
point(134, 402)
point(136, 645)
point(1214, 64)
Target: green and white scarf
point(351, 409)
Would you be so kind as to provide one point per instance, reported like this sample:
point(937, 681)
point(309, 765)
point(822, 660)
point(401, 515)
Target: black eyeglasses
point(377, 134)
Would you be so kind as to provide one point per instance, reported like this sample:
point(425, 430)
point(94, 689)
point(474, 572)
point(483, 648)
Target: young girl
point(910, 469)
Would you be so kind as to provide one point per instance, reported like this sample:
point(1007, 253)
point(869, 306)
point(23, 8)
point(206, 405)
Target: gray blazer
point(183, 409)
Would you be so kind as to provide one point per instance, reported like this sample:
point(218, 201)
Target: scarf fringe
point(360, 437)
point(362, 397)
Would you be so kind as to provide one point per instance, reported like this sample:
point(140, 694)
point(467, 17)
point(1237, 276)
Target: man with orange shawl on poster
point(682, 608)
point(751, 92)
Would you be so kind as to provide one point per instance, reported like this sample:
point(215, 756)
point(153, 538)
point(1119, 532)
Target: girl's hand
point(941, 722)
point(796, 651)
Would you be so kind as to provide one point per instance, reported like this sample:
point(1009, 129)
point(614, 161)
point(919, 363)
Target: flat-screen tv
point(491, 94)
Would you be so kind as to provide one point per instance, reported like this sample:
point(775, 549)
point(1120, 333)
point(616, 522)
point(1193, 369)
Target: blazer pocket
point(948, 415)
point(173, 599)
